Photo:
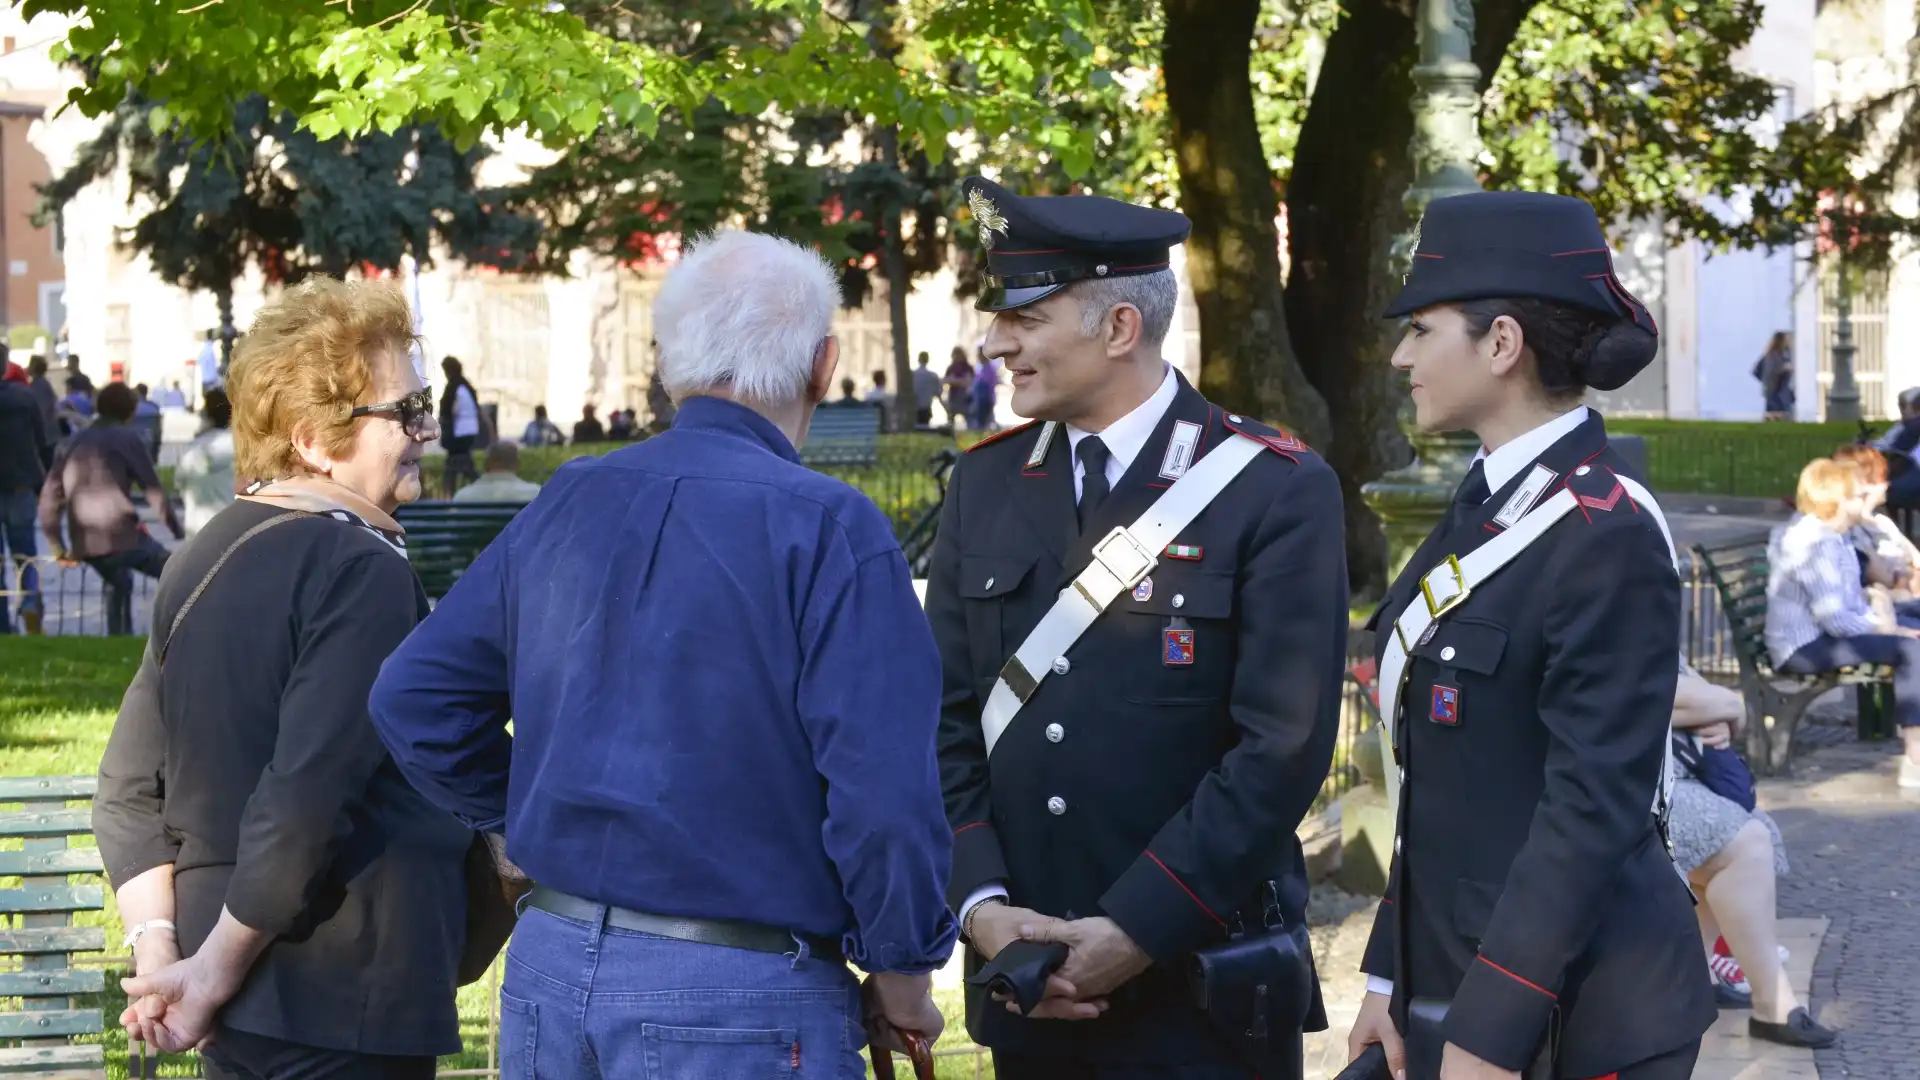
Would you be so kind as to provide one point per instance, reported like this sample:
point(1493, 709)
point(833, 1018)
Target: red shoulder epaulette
point(1001, 434)
point(1595, 487)
point(1280, 442)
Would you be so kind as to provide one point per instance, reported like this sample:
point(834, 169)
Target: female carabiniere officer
point(1534, 925)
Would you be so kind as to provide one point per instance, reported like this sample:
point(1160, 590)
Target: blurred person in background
point(501, 482)
point(462, 426)
point(26, 452)
point(204, 477)
point(89, 491)
point(1819, 618)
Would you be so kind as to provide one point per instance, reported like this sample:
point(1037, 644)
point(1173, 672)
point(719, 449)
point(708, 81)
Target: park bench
point(443, 538)
point(1777, 701)
point(39, 1033)
point(842, 436)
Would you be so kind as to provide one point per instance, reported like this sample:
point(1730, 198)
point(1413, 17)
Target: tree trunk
point(1350, 174)
point(1233, 254)
point(1345, 206)
point(893, 260)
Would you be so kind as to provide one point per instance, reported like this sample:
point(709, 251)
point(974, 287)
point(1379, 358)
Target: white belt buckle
point(1127, 559)
point(1444, 596)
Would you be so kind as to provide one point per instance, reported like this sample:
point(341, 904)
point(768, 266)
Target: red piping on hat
point(1424, 255)
point(1143, 266)
point(1588, 251)
point(1634, 307)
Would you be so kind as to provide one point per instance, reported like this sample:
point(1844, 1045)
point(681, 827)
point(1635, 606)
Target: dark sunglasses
point(413, 410)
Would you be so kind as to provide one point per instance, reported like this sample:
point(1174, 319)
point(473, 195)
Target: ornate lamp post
point(1843, 395)
point(1410, 501)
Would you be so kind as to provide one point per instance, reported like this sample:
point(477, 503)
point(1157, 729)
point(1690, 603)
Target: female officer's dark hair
point(1543, 261)
point(1572, 347)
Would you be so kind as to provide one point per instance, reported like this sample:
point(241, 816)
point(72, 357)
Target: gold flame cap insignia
point(987, 216)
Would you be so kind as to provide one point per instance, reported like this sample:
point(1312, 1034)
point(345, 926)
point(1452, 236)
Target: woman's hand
point(1715, 736)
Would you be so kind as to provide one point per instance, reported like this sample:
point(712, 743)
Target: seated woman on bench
point(1732, 855)
point(1889, 562)
point(1818, 617)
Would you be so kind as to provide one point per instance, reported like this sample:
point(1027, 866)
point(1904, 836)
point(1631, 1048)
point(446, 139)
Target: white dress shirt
point(1124, 439)
point(1505, 463)
point(1501, 466)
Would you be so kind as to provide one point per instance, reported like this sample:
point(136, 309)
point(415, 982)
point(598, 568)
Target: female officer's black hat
point(1038, 245)
point(1504, 245)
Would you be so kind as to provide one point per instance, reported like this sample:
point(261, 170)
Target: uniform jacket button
point(1055, 733)
point(1179, 600)
point(1056, 806)
point(1583, 470)
point(1061, 666)
point(1446, 653)
point(1232, 419)
point(1396, 845)
point(989, 583)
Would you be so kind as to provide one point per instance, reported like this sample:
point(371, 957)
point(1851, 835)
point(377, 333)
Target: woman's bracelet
point(134, 932)
point(966, 925)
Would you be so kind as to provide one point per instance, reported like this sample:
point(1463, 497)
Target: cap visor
point(997, 298)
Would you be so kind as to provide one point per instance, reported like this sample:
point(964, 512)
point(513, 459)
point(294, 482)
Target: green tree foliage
point(269, 195)
point(353, 66)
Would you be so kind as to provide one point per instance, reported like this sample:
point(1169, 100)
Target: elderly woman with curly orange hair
point(249, 816)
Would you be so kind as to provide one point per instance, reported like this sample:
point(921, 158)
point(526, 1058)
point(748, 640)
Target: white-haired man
point(721, 795)
point(1141, 606)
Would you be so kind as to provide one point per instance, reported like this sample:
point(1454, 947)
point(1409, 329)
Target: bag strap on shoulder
point(194, 596)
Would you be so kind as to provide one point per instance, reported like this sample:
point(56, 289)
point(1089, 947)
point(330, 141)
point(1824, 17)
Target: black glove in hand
point(1021, 970)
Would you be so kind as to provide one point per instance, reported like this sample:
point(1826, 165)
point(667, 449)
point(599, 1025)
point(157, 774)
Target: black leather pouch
point(1021, 970)
point(1257, 988)
point(1426, 1038)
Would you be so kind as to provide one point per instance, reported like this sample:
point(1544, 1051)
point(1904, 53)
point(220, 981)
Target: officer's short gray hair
point(743, 313)
point(1155, 295)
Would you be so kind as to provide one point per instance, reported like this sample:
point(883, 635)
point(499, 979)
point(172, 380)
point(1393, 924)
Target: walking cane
point(917, 1052)
point(881, 1034)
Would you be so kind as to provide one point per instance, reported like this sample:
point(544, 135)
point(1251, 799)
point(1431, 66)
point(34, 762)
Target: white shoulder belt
point(1121, 560)
point(1448, 585)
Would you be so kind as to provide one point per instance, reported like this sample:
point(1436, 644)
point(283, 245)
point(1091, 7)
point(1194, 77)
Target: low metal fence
point(69, 601)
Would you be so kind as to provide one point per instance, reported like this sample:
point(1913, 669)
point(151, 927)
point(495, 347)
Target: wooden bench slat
point(17, 788)
point(72, 822)
point(52, 1022)
point(43, 898)
point(60, 939)
point(37, 1060)
point(70, 861)
point(59, 982)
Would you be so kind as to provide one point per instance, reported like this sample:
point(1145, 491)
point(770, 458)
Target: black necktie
point(1471, 494)
point(1092, 455)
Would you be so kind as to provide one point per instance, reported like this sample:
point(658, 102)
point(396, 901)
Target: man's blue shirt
point(723, 694)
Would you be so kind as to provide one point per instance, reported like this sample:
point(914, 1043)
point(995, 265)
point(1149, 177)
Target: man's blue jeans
point(583, 1001)
point(18, 514)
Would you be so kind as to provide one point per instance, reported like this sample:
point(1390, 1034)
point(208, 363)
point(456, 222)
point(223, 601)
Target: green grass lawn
point(58, 697)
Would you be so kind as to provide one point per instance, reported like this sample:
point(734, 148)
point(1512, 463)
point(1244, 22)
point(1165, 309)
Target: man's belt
point(1121, 560)
point(723, 932)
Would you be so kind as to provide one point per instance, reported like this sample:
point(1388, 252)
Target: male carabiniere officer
point(1134, 722)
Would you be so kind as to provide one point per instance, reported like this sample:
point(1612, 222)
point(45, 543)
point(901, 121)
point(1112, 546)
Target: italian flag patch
point(1183, 551)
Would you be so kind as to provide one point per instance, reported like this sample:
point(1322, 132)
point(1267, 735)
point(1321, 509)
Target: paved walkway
point(1849, 917)
point(1853, 839)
